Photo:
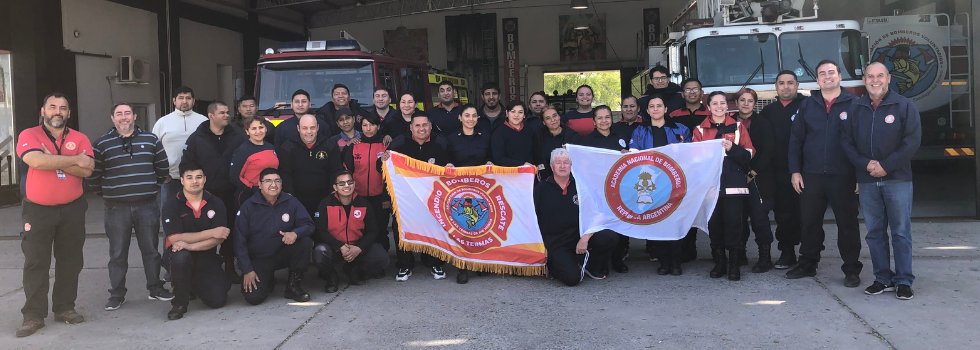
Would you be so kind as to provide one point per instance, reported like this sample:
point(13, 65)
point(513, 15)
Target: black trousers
point(373, 259)
point(198, 272)
point(406, 259)
point(725, 224)
point(786, 209)
point(757, 212)
point(295, 256)
point(60, 228)
point(689, 244)
point(669, 253)
point(382, 216)
point(622, 248)
point(838, 190)
point(227, 248)
point(563, 263)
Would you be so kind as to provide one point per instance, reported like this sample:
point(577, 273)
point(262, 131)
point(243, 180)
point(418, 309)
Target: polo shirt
point(45, 187)
point(180, 217)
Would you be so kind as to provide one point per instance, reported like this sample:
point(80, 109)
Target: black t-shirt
point(220, 141)
point(179, 217)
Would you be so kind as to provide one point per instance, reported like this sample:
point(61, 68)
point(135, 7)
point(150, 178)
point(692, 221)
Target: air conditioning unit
point(133, 70)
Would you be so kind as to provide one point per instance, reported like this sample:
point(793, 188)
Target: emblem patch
point(645, 188)
point(71, 146)
point(210, 214)
point(432, 160)
point(285, 217)
point(380, 154)
point(890, 119)
point(27, 227)
point(316, 214)
point(357, 214)
point(622, 143)
point(843, 115)
point(321, 155)
point(575, 199)
point(473, 210)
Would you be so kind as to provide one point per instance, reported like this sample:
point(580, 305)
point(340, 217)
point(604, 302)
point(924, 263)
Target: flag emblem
point(645, 188)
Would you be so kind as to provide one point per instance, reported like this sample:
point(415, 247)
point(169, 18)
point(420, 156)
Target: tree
point(606, 86)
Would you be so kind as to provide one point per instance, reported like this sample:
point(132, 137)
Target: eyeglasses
point(347, 183)
point(272, 181)
point(659, 78)
point(689, 90)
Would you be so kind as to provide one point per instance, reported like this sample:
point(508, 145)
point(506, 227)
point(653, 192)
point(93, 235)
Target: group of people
point(241, 198)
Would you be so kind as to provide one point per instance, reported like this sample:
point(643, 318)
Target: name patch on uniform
point(285, 217)
point(210, 214)
point(357, 214)
point(890, 119)
point(843, 115)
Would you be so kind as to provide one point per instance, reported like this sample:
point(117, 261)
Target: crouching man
point(272, 232)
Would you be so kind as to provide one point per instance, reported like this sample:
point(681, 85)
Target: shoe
point(877, 288)
point(437, 273)
point(114, 304)
point(30, 326)
point(676, 271)
point(403, 275)
point(904, 292)
point(764, 264)
point(852, 281)
point(294, 288)
point(332, 280)
point(735, 264)
point(166, 276)
point(69, 317)
point(177, 312)
point(162, 295)
point(801, 271)
point(721, 262)
point(620, 266)
point(353, 277)
point(787, 258)
point(462, 277)
point(653, 258)
point(663, 269)
point(596, 276)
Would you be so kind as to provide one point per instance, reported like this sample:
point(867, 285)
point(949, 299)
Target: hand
point(583, 244)
point(386, 140)
point(386, 205)
point(625, 151)
point(385, 156)
point(45, 148)
point(353, 252)
point(878, 171)
point(248, 281)
point(871, 165)
point(83, 161)
point(450, 165)
point(797, 182)
point(540, 167)
point(726, 144)
point(857, 188)
point(288, 237)
point(180, 245)
point(354, 141)
point(527, 164)
point(489, 163)
point(220, 233)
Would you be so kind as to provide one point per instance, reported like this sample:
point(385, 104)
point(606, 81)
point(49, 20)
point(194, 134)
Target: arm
point(161, 164)
point(911, 138)
point(241, 241)
point(285, 154)
point(848, 144)
point(237, 166)
point(98, 168)
point(42, 161)
point(370, 228)
point(322, 233)
point(796, 138)
point(763, 146)
point(348, 158)
point(304, 223)
point(745, 141)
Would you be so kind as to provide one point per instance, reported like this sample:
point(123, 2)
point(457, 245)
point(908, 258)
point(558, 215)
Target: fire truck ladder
point(959, 80)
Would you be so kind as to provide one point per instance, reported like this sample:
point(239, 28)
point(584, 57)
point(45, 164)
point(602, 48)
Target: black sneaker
point(114, 304)
point(852, 281)
point(162, 295)
point(904, 292)
point(801, 271)
point(437, 273)
point(177, 312)
point(403, 275)
point(878, 288)
point(787, 258)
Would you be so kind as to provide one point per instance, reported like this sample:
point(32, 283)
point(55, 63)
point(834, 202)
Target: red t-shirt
point(830, 103)
point(46, 187)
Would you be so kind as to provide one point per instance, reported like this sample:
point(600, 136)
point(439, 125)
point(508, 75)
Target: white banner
point(656, 194)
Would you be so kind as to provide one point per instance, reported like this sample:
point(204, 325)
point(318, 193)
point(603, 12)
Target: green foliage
point(606, 86)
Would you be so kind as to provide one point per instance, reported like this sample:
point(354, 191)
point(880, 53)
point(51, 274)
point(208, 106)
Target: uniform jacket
point(258, 223)
point(216, 164)
point(814, 145)
point(511, 146)
point(890, 134)
point(248, 161)
point(360, 160)
point(781, 117)
point(760, 131)
point(614, 141)
point(304, 169)
point(469, 150)
point(179, 217)
point(643, 135)
point(737, 159)
point(337, 226)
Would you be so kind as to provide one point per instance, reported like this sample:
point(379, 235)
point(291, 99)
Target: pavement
point(637, 310)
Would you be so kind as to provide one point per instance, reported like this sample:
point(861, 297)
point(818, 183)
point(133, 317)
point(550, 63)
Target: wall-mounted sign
point(512, 61)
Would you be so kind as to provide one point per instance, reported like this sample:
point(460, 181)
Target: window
point(802, 51)
point(734, 60)
point(278, 81)
point(412, 83)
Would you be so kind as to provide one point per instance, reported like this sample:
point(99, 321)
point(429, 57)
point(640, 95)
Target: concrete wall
point(115, 30)
point(203, 49)
point(538, 21)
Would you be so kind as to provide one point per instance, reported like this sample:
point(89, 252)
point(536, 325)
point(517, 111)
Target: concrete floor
point(638, 310)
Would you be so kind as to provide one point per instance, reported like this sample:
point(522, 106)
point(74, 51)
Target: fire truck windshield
point(278, 81)
point(801, 51)
point(731, 60)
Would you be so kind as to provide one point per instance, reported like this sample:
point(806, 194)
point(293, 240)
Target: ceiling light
point(580, 4)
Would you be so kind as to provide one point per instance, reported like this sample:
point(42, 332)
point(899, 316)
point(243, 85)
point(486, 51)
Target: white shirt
point(173, 130)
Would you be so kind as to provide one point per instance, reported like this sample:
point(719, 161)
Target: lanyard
point(54, 142)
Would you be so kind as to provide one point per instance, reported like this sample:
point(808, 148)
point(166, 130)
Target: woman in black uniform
point(468, 146)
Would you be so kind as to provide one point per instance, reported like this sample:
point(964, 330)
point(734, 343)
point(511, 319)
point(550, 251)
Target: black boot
point(331, 277)
point(353, 278)
point(787, 258)
point(294, 288)
point(177, 312)
point(765, 260)
point(734, 274)
point(721, 262)
point(463, 276)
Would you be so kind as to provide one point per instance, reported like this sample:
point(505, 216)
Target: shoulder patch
point(890, 119)
point(843, 115)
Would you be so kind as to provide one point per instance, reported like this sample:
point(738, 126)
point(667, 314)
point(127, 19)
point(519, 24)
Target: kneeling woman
point(653, 132)
point(725, 225)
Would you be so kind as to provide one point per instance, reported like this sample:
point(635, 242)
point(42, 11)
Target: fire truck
point(315, 66)
point(731, 44)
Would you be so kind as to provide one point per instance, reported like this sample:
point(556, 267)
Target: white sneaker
point(438, 273)
point(403, 275)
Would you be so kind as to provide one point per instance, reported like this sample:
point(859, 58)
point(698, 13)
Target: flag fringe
point(470, 265)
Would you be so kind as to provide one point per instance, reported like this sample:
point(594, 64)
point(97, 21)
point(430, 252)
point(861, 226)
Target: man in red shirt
point(57, 159)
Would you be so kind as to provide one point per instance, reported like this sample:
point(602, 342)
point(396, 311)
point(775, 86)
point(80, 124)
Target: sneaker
point(852, 281)
point(904, 292)
point(787, 259)
point(177, 312)
point(162, 295)
point(598, 276)
point(69, 317)
point(877, 288)
point(437, 273)
point(801, 271)
point(114, 304)
point(403, 275)
point(30, 326)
